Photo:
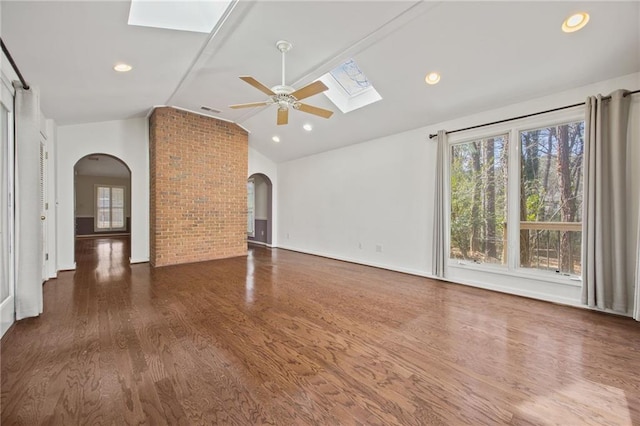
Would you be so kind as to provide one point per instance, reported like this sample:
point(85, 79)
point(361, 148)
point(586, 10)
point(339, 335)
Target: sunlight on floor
point(583, 402)
point(111, 258)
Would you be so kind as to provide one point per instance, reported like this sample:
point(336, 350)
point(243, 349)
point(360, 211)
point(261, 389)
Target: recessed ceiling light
point(308, 127)
point(432, 78)
point(575, 22)
point(275, 139)
point(122, 67)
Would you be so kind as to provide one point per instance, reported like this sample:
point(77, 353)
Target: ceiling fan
point(284, 96)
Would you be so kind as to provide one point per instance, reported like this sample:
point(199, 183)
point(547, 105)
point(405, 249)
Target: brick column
point(198, 177)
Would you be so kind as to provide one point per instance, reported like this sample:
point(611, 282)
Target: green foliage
point(462, 183)
point(534, 202)
point(471, 213)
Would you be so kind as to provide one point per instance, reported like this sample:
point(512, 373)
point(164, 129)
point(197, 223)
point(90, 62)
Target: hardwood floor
point(285, 338)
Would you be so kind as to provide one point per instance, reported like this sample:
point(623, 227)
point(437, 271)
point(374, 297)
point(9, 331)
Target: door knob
point(42, 218)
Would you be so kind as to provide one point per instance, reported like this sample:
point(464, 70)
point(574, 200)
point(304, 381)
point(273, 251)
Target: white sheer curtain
point(439, 249)
point(606, 258)
point(28, 227)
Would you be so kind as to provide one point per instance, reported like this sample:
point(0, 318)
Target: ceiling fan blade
point(283, 116)
point(310, 90)
point(324, 113)
point(255, 83)
point(250, 105)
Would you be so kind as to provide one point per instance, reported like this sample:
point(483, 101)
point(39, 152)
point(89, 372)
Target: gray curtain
point(636, 309)
point(28, 206)
point(606, 277)
point(439, 249)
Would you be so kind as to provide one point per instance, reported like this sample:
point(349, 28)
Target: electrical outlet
point(360, 246)
point(262, 233)
point(287, 235)
point(379, 248)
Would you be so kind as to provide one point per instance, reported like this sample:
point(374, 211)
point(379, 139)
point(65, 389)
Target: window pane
point(479, 200)
point(117, 197)
point(5, 289)
point(551, 198)
point(103, 220)
point(117, 217)
point(117, 207)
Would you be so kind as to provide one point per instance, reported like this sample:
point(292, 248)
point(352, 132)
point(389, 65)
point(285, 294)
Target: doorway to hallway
point(259, 218)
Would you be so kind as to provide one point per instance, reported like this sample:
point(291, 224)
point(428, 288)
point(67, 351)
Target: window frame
point(463, 141)
point(95, 208)
point(512, 129)
point(7, 93)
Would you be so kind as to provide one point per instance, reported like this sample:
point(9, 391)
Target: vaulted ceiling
point(490, 54)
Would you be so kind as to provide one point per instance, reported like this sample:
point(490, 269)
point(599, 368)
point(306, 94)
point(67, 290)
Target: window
point(6, 244)
point(518, 206)
point(251, 207)
point(478, 182)
point(110, 206)
point(551, 197)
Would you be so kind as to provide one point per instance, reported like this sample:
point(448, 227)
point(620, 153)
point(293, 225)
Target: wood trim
point(552, 226)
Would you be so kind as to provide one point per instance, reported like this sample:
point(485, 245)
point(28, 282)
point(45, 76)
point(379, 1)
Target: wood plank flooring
point(285, 338)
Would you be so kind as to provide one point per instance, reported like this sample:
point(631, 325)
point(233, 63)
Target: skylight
point(197, 16)
point(350, 77)
point(349, 87)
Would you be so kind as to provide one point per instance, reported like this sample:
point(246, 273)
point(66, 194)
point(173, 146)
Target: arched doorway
point(259, 192)
point(102, 208)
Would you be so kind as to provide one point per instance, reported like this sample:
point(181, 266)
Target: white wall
point(372, 203)
point(258, 163)
point(347, 202)
point(127, 140)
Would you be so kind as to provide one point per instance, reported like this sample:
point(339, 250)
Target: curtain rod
point(433, 135)
point(25, 85)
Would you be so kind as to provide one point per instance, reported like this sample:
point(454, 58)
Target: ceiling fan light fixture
point(275, 139)
point(432, 78)
point(308, 127)
point(575, 22)
point(122, 67)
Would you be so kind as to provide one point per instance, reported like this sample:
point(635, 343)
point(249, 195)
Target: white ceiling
point(490, 54)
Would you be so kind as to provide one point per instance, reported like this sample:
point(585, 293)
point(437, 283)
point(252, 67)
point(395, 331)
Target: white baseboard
point(361, 262)
point(67, 267)
point(259, 243)
point(138, 260)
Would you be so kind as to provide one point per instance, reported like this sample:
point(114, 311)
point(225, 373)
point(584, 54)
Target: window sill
point(569, 280)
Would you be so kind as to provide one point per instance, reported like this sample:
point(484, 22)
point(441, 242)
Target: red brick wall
point(198, 202)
